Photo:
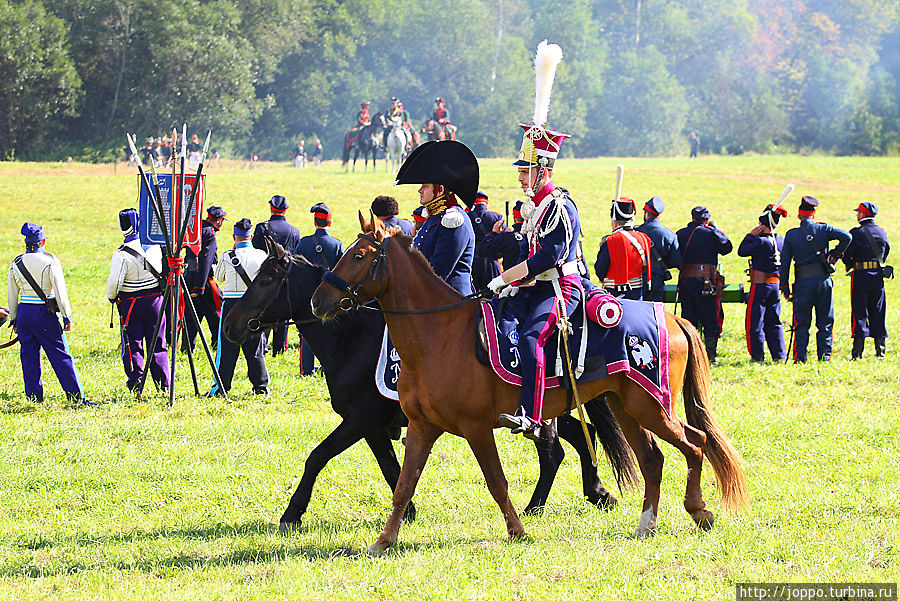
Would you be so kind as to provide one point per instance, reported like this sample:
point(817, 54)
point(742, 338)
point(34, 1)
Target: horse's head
point(279, 292)
point(360, 274)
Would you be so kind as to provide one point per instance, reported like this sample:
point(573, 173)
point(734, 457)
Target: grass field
point(135, 500)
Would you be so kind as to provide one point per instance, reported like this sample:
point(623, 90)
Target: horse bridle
point(354, 302)
point(254, 324)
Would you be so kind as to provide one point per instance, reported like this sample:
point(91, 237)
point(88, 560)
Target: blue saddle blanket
point(637, 346)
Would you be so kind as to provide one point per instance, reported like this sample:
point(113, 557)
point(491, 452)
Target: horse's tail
point(614, 444)
point(723, 457)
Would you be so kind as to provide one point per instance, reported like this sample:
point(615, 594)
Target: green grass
point(138, 501)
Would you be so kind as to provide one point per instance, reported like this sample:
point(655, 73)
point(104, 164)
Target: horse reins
point(354, 302)
point(255, 325)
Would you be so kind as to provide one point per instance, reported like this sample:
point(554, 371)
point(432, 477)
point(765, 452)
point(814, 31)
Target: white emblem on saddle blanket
point(641, 352)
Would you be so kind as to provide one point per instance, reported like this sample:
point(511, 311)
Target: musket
point(564, 333)
point(507, 214)
point(197, 181)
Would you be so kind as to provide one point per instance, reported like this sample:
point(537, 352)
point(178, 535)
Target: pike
point(163, 226)
point(196, 185)
point(154, 200)
point(177, 187)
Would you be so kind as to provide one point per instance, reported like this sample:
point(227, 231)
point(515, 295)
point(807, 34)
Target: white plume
point(546, 59)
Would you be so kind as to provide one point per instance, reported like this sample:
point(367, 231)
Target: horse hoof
point(647, 525)
point(288, 528)
point(533, 510)
point(518, 536)
point(705, 520)
point(604, 500)
point(643, 533)
point(377, 549)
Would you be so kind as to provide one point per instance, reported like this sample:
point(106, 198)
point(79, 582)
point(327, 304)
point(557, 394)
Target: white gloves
point(497, 284)
point(509, 291)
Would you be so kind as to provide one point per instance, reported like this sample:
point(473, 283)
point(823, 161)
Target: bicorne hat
point(448, 163)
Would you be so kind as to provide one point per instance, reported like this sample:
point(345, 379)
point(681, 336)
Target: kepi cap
point(242, 227)
point(699, 213)
point(216, 211)
point(868, 209)
point(655, 205)
point(33, 232)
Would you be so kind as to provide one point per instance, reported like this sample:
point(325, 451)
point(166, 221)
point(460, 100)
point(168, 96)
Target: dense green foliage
point(637, 77)
point(136, 501)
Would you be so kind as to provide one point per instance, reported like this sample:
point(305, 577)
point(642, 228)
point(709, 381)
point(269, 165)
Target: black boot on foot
point(880, 347)
point(859, 344)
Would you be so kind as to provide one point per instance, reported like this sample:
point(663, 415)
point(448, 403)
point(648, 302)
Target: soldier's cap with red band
point(278, 203)
point(655, 205)
point(481, 198)
point(517, 210)
point(868, 209)
point(321, 211)
point(808, 206)
point(418, 214)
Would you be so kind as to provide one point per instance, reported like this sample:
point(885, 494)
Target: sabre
point(787, 355)
point(197, 181)
point(564, 332)
point(620, 176)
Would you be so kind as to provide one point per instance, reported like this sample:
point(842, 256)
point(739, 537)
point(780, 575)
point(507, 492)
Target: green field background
point(134, 500)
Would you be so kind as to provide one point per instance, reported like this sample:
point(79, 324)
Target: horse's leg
point(650, 461)
point(550, 457)
point(481, 441)
point(570, 430)
point(420, 437)
point(341, 438)
point(381, 446)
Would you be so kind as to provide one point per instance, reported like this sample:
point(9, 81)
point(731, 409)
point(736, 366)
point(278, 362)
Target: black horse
point(367, 141)
point(348, 349)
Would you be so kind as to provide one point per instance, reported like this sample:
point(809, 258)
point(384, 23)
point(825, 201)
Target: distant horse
point(397, 143)
point(367, 140)
point(435, 131)
point(436, 399)
point(348, 350)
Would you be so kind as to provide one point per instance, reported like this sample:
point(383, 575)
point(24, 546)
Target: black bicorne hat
point(449, 163)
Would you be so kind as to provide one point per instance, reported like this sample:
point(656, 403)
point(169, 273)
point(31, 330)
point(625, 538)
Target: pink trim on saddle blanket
point(662, 393)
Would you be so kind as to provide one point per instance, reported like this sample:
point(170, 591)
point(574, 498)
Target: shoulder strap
point(829, 268)
point(236, 263)
point(34, 285)
point(686, 244)
point(147, 265)
point(321, 251)
point(871, 240)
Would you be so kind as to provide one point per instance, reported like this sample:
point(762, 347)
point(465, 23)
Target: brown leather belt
point(761, 277)
point(705, 271)
point(866, 265)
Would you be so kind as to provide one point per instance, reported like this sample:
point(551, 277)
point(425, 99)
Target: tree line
point(637, 75)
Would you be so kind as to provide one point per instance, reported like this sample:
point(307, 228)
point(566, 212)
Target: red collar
point(541, 194)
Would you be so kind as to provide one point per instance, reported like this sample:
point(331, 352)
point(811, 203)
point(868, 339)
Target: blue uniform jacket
point(706, 244)
point(761, 250)
point(449, 250)
point(285, 234)
point(860, 250)
point(320, 248)
point(482, 223)
point(558, 246)
point(403, 225)
point(196, 280)
point(506, 246)
point(666, 244)
point(797, 249)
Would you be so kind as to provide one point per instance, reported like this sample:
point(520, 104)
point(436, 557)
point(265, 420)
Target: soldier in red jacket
point(623, 263)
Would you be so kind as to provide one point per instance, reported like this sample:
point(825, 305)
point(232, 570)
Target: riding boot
point(859, 344)
point(711, 345)
point(880, 347)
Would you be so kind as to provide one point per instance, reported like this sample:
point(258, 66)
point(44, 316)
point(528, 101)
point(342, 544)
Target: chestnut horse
point(436, 346)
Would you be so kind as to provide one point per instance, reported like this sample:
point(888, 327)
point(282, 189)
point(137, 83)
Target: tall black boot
point(711, 344)
point(859, 344)
point(880, 346)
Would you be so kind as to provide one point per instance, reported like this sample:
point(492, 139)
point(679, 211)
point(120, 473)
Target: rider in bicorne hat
point(448, 173)
point(551, 272)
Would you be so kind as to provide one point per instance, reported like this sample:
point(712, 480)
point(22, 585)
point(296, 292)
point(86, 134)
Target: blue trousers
point(763, 322)
point(656, 292)
point(539, 335)
point(307, 359)
point(38, 329)
point(703, 310)
point(227, 355)
point(813, 293)
point(867, 305)
point(138, 314)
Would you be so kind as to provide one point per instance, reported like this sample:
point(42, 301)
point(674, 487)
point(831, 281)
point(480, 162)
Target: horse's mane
point(417, 257)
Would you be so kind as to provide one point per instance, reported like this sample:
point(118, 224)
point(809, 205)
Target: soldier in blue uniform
point(386, 209)
point(664, 253)
point(763, 320)
point(323, 249)
point(135, 286)
point(506, 244)
point(204, 291)
point(864, 259)
point(484, 267)
point(278, 229)
point(701, 243)
point(236, 270)
point(807, 247)
point(35, 311)
point(447, 172)
point(553, 262)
